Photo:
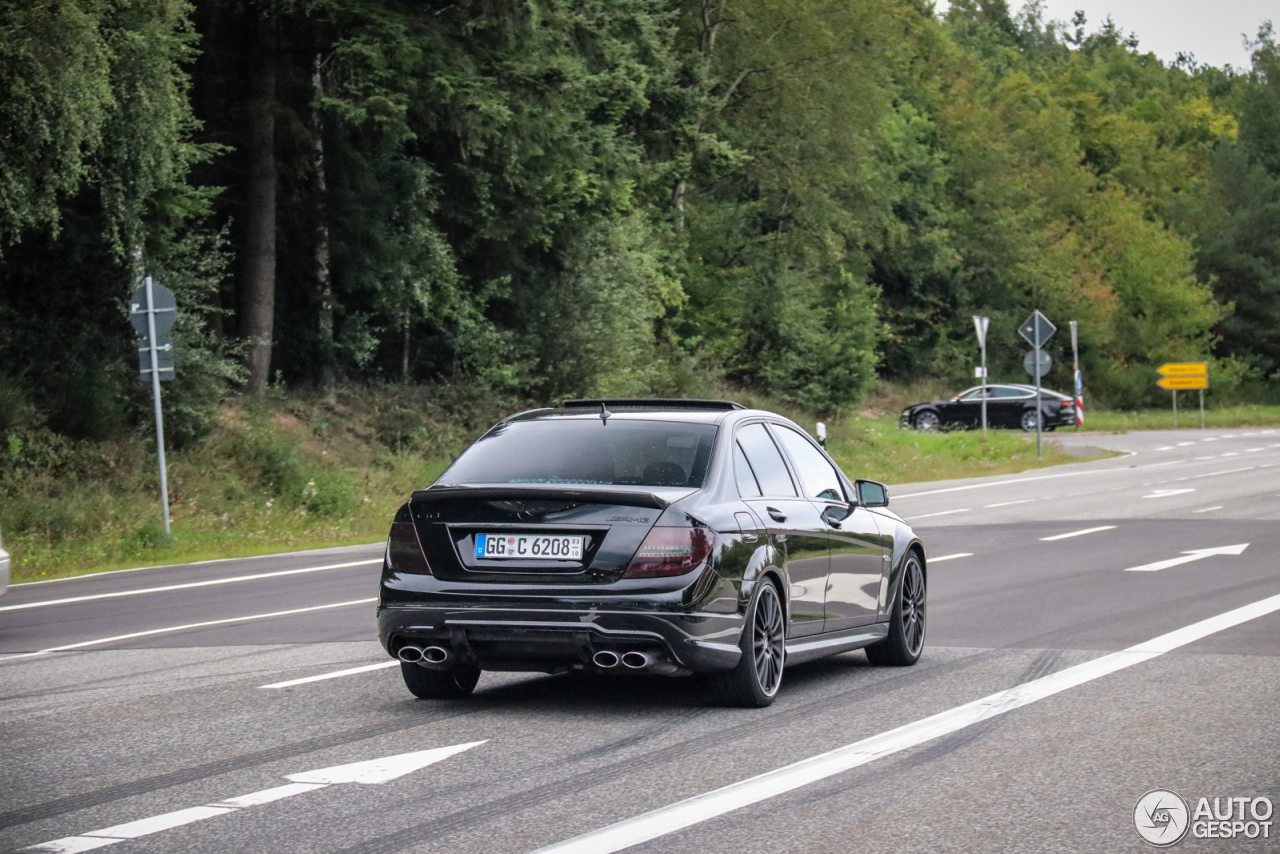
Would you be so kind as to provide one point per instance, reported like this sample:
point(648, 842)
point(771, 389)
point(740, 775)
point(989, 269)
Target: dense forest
point(563, 197)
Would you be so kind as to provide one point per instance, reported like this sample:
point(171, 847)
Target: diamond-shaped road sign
point(1037, 329)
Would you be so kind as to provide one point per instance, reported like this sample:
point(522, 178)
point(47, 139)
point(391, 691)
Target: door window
point(766, 462)
point(747, 485)
point(818, 476)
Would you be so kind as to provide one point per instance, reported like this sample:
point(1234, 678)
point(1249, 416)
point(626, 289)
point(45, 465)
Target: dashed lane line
point(188, 626)
point(934, 560)
point(695, 810)
point(931, 515)
point(1079, 533)
point(188, 585)
point(337, 674)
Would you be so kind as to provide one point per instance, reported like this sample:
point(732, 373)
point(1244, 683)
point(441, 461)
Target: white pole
point(1075, 368)
point(155, 394)
point(1039, 414)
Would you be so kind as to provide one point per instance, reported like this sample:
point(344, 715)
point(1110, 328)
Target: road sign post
point(1186, 376)
point(981, 324)
point(156, 359)
point(1075, 373)
point(1038, 330)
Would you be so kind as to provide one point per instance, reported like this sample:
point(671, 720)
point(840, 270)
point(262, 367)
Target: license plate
point(529, 546)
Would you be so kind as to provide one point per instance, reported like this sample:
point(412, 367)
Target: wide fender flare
point(764, 564)
point(898, 562)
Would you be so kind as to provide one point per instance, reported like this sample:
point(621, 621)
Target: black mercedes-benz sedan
point(640, 536)
point(1008, 405)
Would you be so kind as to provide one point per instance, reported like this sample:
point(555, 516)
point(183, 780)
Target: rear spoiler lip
point(626, 498)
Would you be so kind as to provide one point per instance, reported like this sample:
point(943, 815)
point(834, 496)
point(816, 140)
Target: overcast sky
point(1210, 30)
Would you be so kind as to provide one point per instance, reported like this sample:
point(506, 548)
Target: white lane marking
point(1080, 533)
point(371, 772)
point(1189, 556)
point(1207, 509)
point(1165, 493)
point(194, 563)
point(1009, 503)
point(189, 584)
point(1230, 454)
point(1184, 444)
point(934, 560)
point(700, 808)
point(1210, 457)
point(929, 515)
point(1210, 439)
point(1229, 436)
point(1112, 470)
point(336, 674)
point(1165, 448)
point(1254, 450)
point(1216, 473)
point(168, 629)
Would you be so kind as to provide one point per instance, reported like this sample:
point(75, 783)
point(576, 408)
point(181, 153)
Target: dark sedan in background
point(1008, 405)
point(665, 537)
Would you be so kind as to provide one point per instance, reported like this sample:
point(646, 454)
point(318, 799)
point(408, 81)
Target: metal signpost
point(1184, 375)
point(1037, 330)
point(153, 311)
point(1075, 373)
point(981, 324)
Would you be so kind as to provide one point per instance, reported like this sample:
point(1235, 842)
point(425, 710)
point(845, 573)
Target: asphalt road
point(127, 697)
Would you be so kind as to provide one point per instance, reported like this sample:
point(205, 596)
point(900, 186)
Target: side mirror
point(872, 493)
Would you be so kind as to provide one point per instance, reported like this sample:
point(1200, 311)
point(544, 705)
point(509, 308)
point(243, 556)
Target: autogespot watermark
point(1163, 818)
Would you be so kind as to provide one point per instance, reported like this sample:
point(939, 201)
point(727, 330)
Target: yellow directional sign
point(1179, 383)
point(1184, 369)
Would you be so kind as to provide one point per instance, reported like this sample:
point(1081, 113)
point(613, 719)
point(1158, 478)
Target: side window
point(766, 462)
point(747, 486)
point(819, 477)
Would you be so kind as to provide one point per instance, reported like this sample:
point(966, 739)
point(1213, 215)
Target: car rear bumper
point(496, 631)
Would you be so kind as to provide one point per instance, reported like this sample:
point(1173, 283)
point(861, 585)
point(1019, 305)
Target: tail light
point(670, 551)
point(1068, 404)
point(404, 550)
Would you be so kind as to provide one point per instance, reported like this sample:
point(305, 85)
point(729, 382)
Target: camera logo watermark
point(1161, 817)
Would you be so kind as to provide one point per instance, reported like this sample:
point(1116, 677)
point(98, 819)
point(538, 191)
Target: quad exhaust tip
point(410, 654)
point(605, 659)
point(636, 660)
point(436, 655)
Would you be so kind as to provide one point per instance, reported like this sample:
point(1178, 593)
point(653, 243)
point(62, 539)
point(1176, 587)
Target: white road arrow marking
point(371, 772)
point(1188, 557)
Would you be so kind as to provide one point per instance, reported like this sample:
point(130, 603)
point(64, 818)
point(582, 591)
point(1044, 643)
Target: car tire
point(439, 684)
point(754, 682)
point(927, 421)
point(1028, 421)
point(905, 641)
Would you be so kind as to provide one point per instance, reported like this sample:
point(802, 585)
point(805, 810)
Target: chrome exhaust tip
point(637, 660)
point(605, 659)
point(410, 654)
point(436, 655)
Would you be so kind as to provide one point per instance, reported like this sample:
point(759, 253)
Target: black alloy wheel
point(905, 641)
point(439, 684)
point(754, 682)
point(927, 421)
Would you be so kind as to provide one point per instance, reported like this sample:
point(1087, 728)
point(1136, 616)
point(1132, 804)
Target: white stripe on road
point(205, 624)
point(1080, 533)
point(92, 575)
point(336, 674)
point(1112, 470)
point(1216, 473)
point(695, 810)
point(1009, 503)
point(1207, 509)
point(934, 560)
point(931, 515)
point(189, 584)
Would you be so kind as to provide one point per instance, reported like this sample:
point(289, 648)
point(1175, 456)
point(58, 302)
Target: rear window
point(579, 451)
